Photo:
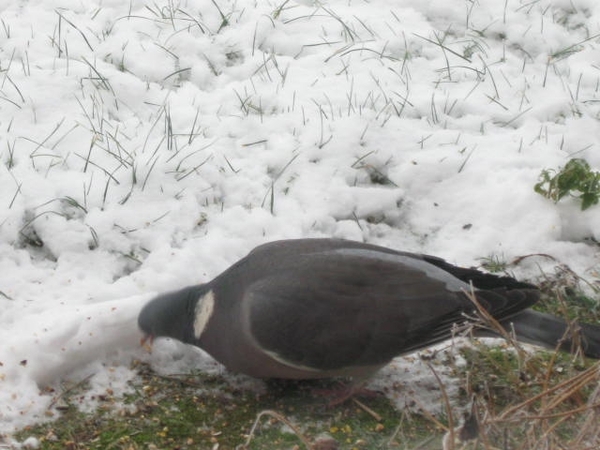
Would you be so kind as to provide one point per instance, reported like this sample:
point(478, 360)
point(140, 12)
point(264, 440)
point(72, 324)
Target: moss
point(197, 411)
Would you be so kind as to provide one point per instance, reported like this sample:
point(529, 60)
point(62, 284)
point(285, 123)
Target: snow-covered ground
point(148, 145)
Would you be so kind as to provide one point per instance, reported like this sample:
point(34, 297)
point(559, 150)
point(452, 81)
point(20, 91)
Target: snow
point(145, 146)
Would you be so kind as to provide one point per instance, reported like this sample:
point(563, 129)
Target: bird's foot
point(344, 392)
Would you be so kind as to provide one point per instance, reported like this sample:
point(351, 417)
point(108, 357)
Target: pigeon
point(325, 308)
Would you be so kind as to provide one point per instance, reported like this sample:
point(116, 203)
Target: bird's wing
point(352, 307)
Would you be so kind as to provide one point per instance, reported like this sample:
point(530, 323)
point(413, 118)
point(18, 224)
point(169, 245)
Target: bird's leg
point(345, 391)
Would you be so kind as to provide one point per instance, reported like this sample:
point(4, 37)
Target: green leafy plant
point(575, 179)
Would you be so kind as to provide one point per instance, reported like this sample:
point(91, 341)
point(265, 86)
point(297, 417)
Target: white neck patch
point(204, 311)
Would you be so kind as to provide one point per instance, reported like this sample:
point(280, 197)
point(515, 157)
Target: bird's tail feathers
point(548, 331)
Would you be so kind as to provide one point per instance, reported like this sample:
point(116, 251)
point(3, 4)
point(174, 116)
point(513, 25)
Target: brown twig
point(281, 418)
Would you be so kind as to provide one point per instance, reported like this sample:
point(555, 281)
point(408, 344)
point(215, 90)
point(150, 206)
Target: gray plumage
point(317, 308)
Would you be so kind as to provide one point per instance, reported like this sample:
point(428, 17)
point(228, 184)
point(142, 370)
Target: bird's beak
point(147, 341)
